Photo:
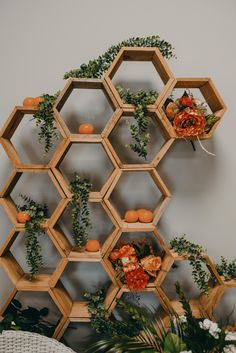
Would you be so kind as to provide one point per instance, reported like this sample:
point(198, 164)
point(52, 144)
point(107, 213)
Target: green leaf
point(173, 344)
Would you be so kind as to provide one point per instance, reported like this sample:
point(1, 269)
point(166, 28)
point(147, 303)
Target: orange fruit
point(86, 129)
point(92, 245)
point(38, 100)
point(145, 216)
point(131, 216)
point(23, 217)
point(29, 102)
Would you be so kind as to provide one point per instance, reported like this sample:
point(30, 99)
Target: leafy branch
point(96, 68)
point(80, 189)
point(195, 256)
point(227, 268)
point(29, 319)
point(45, 121)
point(38, 213)
point(139, 129)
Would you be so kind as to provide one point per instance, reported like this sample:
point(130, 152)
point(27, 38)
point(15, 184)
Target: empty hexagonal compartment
point(154, 72)
point(20, 150)
point(202, 99)
point(77, 335)
point(38, 184)
point(34, 319)
point(120, 138)
point(90, 160)
point(103, 229)
point(137, 190)
point(86, 101)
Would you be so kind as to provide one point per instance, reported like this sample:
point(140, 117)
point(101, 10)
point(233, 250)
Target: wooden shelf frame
point(152, 55)
point(212, 98)
point(90, 84)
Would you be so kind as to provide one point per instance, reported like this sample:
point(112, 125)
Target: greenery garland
point(140, 100)
point(227, 268)
point(38, 213)
point(96, 68)
point(44, 118)
point(29, 319)
point(195, 256)
point(80, 189)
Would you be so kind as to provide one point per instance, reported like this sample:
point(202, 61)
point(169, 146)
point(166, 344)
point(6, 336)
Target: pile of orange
point(142, 215)
point(32, 102)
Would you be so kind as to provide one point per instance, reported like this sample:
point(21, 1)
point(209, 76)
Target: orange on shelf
point(131, 216)
point(23, 217)
point(145, 216)
point(38, 100)
point(29, 102)
point(92, 245)
point(86, 129)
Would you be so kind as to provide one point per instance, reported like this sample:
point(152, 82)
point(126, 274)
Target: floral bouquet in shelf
point(136, 263)
point(189, 115)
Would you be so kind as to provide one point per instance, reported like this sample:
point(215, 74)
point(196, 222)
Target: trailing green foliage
point(29, 319)
point(139, 129)
point(45, 121)
point(80, 189)
point(105, 323)
point(97, 67)
point(195, 255)
point(227, 268)
point(38, 213)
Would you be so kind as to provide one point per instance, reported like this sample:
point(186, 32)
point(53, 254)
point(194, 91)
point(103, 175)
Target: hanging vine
point(33, 230)
point(45, 121)
point(139, 129)
point(195, 255)
point(227, 268)
point(80, 189)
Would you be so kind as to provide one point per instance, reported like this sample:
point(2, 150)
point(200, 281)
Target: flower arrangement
point(189, 115)
point(183, 334)
point(135, 263)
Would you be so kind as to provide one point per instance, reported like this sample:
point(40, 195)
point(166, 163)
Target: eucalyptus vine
point(38, 213)
point(80, 189)
point(227, 268)
point(44, 118)
point(139, 129)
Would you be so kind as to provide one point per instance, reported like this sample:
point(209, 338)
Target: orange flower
point(114, 255)
point(126, 251)
point(137, 279)
point(151, 264)
point(129, 263)
point(189, 123)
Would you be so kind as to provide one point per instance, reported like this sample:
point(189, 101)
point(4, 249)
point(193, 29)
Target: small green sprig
point(38, 213)
point(45, 121)
point(97, 67)
point(195, 255)
point(139, 134)
point(227, 268)
point(80, 189)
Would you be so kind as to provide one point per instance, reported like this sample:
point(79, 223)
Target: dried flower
point(137, 279)
point(151, 264)
point(189, 123)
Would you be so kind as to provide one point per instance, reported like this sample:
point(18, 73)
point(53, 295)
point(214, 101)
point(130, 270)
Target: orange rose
point(126, 251)
point(151, 264)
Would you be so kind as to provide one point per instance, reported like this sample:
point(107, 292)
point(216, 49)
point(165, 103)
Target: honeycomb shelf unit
point(77, 311)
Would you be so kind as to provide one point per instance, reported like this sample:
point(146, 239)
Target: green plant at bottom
point(139, 129)
point(80, 189)
point(38, 213)
point(28, 319)
point(184, 334)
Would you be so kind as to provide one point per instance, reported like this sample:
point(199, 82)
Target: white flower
point(230, 349)
point(210, 326)
point(231, 336)
point(186, 352)
point(182, 319)
point(13, 323)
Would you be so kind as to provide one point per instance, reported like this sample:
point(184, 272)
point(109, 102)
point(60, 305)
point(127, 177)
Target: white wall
point(41, 40)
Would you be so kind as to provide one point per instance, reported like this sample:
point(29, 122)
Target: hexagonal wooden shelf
point(51, 283)
point(210, 94)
